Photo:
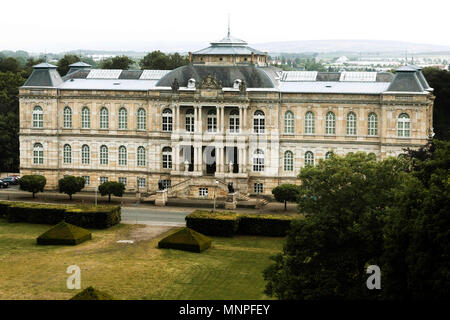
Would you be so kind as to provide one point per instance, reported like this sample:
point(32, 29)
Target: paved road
point(154, 216)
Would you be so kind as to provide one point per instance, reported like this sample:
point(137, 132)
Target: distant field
point(231, 269)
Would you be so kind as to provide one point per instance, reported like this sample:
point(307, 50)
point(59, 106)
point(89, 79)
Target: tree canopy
point(118, 62)
point(71, 185)
point(157, 60)
point(111, 188)
point(286, 193)
point(32, 183)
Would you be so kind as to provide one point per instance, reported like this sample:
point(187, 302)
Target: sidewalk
point(130, 201)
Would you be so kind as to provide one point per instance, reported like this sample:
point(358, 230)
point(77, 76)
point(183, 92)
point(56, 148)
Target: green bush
point(64, 234)
point(224, 224)
point(96, 217)
point(35, 213)
point(91, 294)
point(32, 183)
point(185, 239)
point(4, 207)
point(265, 225)
point(100, 217)
point(229, 223)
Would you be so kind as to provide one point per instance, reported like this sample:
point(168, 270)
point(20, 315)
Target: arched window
point(85, 118)
point(234, 121)
point(67, 154)
point(404, 125)
point(309, 158)
point(141, 119)
point(189, 120)
point(104, 118)
point(103, 154)
point(38, 117)
point(258, 160)
point(123, 118)
point(259, 122)
point(38, 153)
point(167, 120)
point(212, 121)
point(372, 124)
point(122, 156)
point(141, 156)
point(67, 115)
point(288, 161)
point(351, 124)
point(328, 154)
point(330, 123)
point(309, 123)
point(288, 122)
point(85, 154)
point(167, 158)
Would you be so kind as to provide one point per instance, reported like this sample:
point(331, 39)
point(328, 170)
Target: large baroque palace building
point(226, 116)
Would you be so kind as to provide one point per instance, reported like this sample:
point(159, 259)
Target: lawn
point(230, 269)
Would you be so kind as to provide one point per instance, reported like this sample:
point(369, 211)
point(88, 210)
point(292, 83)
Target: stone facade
point(189, 135)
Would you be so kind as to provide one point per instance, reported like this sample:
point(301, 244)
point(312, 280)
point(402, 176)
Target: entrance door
point(232, 155)
point(210, 159)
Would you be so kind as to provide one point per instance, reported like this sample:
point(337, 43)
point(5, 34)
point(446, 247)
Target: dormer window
point(237, 83)
point(191, 83)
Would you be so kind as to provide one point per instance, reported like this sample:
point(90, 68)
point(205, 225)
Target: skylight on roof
point(358, 76)
point(299, 76)
point(104, 74)
point(153, 74)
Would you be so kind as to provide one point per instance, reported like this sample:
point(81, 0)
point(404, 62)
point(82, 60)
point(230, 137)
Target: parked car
point(3, 184)
point(10, 180)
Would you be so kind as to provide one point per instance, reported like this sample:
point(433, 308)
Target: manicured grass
point(230, 269)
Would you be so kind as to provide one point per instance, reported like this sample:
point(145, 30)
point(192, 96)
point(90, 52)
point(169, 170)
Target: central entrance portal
point(209, 157)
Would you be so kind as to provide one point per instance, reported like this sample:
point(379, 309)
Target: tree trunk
point(285, 205)
point(33, 194)
point(70, 196)
point(109, 197)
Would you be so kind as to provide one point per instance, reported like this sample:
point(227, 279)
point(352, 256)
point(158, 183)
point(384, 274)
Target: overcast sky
point(53, 26)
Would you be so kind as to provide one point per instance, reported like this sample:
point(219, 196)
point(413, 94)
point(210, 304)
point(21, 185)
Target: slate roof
point(254, 76)
point(409, 79)
point(44, 75)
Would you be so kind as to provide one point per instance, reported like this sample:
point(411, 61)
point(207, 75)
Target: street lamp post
point(215, 187)
point(98, 182)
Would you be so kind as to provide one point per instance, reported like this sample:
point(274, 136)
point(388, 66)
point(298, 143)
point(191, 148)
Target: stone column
point(218, 113)
point(178, 118)
point(240, 162)
point(200, 123)
point(244, 124)
point(240, 119)
point(244, 160)
point(195, 118)
point(222, 119)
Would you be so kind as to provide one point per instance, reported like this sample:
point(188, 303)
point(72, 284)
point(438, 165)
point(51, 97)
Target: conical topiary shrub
point(91, 294)
point(64, 233)
point(186, 239)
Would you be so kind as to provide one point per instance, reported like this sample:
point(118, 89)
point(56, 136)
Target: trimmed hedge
point(92, 294)
point(185, 239)
point(229, 223)
point(96, 217)
point(265, 225)
point(64, 234)
point(223, 224)
point(100, 217)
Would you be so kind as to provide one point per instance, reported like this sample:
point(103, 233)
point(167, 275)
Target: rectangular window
point(203, 192)
point(141, 182)
point(103, 179)
point(166, 183)
point(123, 180)
point(87, 180)
point(258, 187)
